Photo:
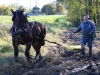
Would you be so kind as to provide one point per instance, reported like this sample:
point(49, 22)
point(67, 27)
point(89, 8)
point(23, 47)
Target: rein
point(21, 30)
point(24, 27)
point(48, 41)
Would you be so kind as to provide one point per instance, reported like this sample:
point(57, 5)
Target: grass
point(5, 20)
point(71, 47)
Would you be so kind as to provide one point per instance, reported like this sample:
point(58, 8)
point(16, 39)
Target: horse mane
point(25, 17)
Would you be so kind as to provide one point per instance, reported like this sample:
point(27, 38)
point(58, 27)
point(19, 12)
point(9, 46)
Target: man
point(88, 29)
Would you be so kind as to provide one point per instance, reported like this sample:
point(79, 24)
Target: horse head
point(19, 20)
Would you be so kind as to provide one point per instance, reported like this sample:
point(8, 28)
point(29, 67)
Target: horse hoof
point(16, 59)
point(38, 59)
point(41, 58)
point(29, 60)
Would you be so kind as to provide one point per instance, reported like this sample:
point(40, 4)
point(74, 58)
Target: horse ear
point(12, 11)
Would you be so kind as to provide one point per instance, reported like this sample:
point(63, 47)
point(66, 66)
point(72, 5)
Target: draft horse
point(26, 33)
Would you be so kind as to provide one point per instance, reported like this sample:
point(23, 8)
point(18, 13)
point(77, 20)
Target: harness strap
point(48, 41)
point(28, 26)
point(32, 26)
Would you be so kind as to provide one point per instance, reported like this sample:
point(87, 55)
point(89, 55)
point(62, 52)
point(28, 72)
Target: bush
point(5, 10)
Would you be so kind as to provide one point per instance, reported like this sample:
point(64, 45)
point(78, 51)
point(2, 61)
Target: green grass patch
point(5, 49)
point(2, 42)
point(5, 20)
point(73, 47)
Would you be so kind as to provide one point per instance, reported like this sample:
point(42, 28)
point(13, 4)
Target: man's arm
point(78, 29)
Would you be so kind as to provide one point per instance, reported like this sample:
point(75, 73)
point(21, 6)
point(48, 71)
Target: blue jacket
point(87, 28)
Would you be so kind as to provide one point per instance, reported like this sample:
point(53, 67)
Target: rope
point(48, 41)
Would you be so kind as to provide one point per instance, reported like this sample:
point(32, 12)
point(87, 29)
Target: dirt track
point(55, 64)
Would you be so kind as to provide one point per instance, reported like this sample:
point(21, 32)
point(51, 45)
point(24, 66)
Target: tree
point(60, 8)
point(49, 9)
point(21, 7)
point(5, 10)
point(77, 8)
point(13, 6)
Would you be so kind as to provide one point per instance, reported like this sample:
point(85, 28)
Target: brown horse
point(26, 33)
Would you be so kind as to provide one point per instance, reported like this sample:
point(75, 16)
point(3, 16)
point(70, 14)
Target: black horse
point(27, 33)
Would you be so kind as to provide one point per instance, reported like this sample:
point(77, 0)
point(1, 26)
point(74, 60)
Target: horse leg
point(37, 49)
point(15, 51)
point(28, 46)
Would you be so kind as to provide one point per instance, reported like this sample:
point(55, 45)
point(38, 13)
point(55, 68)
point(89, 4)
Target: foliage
point(60, 8)
point(54, 8)
point(13, 6)
point(22, 7)
point(49, 9)
point(5, 10)
point(78, 8)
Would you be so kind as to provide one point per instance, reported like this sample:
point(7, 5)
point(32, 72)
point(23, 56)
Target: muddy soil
point(56, 63)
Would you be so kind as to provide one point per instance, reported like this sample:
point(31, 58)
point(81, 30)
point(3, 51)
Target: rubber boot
point(90, 52)
point(83, 53)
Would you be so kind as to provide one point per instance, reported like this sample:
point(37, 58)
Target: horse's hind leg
point(37, 49)
point(28, 46)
